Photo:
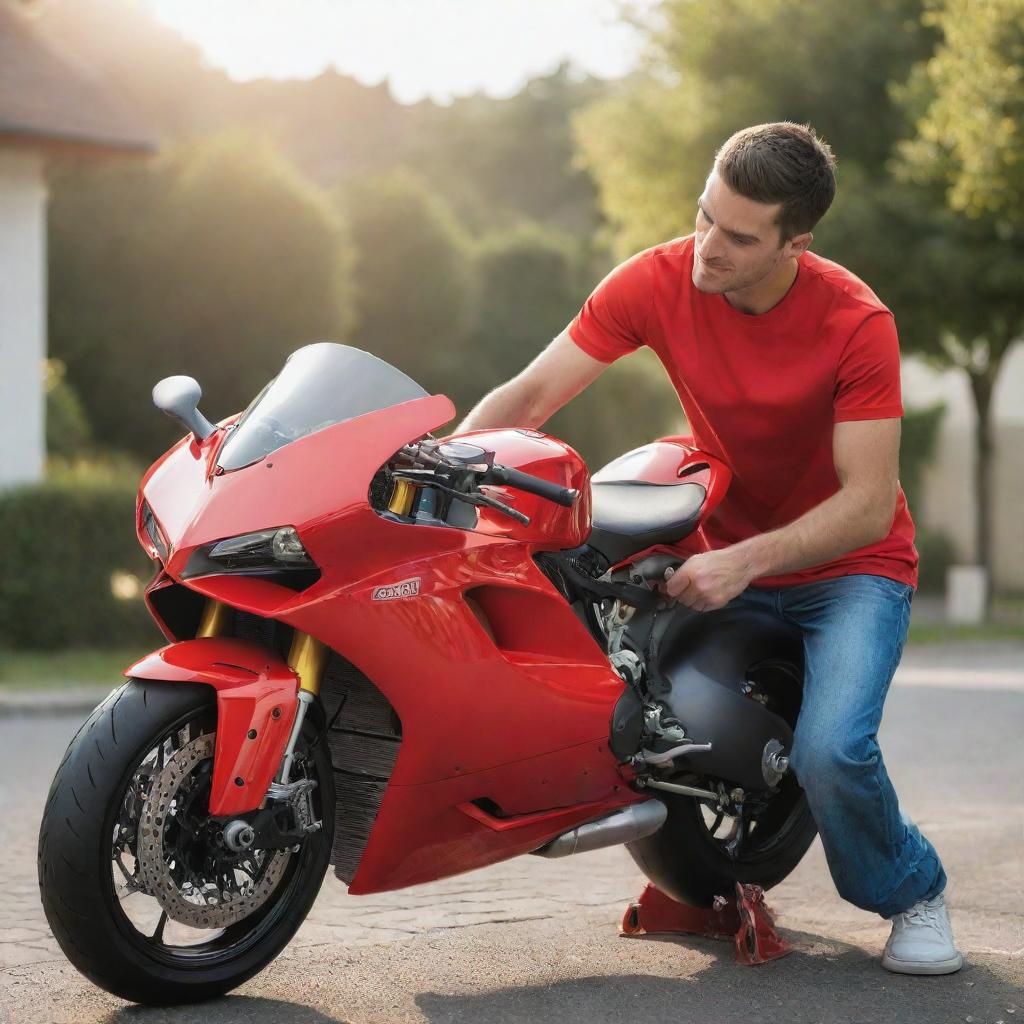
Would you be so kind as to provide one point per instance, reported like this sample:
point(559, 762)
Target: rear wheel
point(139, 886)
point(700, 853)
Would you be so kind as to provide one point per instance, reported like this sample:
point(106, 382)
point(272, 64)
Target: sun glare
point(435, 48)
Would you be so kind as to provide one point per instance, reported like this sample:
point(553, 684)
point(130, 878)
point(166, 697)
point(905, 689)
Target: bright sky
point(435, 48)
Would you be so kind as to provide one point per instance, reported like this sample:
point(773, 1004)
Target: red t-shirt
point(763, 392)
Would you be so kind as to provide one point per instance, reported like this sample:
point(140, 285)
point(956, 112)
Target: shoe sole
point(891, 963)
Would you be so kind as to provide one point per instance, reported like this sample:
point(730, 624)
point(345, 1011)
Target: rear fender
point(256, 706)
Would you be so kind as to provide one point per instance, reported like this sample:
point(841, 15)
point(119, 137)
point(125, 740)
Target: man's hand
point(711, 579)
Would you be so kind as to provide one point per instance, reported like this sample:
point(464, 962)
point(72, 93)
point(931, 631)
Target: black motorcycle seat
point(630, 515)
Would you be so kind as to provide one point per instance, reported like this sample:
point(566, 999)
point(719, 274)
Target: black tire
point(76, 846)
point(686, 861)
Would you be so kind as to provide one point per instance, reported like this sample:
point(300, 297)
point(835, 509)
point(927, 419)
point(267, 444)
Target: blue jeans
point(854, 628)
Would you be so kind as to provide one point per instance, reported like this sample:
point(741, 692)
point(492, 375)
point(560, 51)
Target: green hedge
point(937, 553)
point(62, 542)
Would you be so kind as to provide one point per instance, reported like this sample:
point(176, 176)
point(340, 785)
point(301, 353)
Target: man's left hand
point(711, 579)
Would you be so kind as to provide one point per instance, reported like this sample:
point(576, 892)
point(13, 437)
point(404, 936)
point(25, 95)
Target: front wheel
point(139, 887)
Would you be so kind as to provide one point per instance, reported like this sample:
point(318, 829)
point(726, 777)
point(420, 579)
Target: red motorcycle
point(408, 657)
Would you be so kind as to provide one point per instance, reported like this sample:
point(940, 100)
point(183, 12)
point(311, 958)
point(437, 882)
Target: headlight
point(152, 528)
point(259, 553)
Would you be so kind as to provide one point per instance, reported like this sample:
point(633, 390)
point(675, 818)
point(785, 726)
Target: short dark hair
point(782, 162)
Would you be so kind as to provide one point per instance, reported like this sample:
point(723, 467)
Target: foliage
point(494, 161)
point(953, 281)
point(969, 151)
point(936, 550)
point(936, 553)
point(530, 282)
point(412, 277)
point(106, 469)
point(65, 541)
point(971, 135)
point(76, 666)
point(498, 161)
point(920, 430)
point(216, 260)
point(527, 288)
point(67, 428)
point(714, 66)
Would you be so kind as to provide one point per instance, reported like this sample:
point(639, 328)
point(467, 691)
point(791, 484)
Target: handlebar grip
point(532, 484)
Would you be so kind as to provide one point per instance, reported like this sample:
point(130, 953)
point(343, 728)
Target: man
point(787, 366)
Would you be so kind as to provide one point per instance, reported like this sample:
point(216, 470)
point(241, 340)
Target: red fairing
point(504, 696)
point(552, 527)
point(256, 694)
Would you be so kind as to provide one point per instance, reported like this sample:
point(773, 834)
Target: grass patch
point(55, 669)
point(102, 668)
point(940, 633)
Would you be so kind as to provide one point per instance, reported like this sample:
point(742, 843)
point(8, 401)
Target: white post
point(22, 316)
point(965, 594)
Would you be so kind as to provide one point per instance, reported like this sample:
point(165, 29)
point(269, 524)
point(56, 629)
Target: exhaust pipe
point(631, 823)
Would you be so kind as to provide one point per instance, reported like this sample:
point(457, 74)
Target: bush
point(937, 553)
point(69, 543)
point(67, 426)
point(216, 260)
point(917, 448)
point(411, 277)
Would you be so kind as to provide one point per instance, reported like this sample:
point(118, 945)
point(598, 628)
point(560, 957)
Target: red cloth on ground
point(763, 392)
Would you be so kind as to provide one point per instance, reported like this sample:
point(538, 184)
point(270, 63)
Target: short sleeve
point(868, 375)
point(613, 321)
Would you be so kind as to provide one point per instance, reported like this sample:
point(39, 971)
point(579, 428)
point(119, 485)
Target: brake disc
point(196, 901)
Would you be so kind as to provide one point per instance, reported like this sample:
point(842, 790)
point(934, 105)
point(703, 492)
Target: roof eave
point(25, 136)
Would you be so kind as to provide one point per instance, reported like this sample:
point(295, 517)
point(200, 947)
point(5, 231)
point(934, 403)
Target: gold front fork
point(401, 497)
point(215, 618)
point(307, 658)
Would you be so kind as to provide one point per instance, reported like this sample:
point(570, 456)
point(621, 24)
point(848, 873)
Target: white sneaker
point(921, 941)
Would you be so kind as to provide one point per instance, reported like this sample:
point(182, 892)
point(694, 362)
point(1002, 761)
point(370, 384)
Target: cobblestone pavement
point(951, 739)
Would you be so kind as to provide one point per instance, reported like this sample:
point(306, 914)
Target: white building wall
point(948, 498)
point(22, 316)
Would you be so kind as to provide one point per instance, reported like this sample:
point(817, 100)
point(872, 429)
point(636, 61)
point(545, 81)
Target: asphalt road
point(534, 940)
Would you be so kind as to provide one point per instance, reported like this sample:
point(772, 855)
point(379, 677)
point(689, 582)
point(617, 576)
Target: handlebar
point(565, 496)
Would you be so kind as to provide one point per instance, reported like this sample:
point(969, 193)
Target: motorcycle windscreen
point(319, 386)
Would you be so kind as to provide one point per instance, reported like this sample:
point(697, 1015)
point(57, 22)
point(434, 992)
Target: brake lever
point(507, 509)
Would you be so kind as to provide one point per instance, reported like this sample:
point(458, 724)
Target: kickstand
point(746, 920)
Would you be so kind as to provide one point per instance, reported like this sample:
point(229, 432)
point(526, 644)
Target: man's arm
point(866, 457)
point(533, 396)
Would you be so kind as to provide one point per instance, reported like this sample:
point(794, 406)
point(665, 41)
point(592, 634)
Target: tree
point(530, 283)
point(969, 144)
point(217, 260)
point(412, 278)
point(970, 136)
point(714, 66)
point(497, 161)
point(941, 242)
point(527, 289)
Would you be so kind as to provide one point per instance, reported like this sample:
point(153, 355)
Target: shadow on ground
point(230, 1009)
point(849, 987)
point(843, 986)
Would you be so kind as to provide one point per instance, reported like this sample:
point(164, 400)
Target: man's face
point(737, 243)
